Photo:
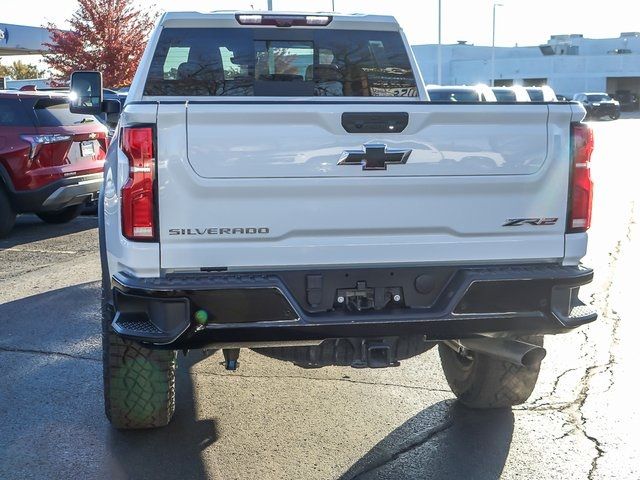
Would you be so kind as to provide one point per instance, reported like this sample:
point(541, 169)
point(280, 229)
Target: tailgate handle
point(375, 122)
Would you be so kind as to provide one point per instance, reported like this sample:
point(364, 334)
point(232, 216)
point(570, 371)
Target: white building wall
point(567, 74)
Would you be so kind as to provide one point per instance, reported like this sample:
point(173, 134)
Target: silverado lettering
point(220, 231)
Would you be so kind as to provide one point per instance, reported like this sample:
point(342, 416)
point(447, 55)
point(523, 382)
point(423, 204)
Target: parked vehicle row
point(597, 105)
point(483, 93)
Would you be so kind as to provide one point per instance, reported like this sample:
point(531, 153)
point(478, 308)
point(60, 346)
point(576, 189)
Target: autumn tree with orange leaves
point(105, 35)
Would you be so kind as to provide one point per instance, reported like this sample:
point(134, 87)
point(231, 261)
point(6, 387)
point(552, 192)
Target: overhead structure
point(22, 40)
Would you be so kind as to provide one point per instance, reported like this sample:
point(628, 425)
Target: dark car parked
point(51, 160)
point(629, 102)
point(598, 105)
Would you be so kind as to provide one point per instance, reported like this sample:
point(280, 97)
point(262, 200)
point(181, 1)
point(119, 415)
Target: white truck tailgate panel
point(472, 168)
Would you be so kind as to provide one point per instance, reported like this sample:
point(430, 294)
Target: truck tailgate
point(264, 184)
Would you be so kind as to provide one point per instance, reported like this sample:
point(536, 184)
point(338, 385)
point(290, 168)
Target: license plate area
point(363, 298)
point(87, 149)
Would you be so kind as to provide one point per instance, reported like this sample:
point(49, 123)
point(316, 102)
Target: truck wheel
point(7, 214)
point(485, 382)
point(61, 216)
point(614, 116)
point(139, 383)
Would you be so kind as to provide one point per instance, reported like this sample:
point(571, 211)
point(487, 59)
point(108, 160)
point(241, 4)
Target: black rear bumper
point(57, 195)
point(197, 311)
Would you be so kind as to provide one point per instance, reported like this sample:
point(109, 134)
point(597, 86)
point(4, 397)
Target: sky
point(522, 22)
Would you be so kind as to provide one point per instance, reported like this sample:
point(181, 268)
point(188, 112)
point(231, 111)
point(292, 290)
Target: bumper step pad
point(136, 326)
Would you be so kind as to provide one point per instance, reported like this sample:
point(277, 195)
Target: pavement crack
point(559, 378)
point(575, 409)
point(577, 421)
point(38, 250)
point(540, 407)
point(534, 404)
point(48, 353)
point(304, 377)
point(582, 421)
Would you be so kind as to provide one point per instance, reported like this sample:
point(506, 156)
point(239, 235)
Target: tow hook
point(231, 356)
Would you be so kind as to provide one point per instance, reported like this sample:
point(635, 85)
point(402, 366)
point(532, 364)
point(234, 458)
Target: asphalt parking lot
point(270, 420)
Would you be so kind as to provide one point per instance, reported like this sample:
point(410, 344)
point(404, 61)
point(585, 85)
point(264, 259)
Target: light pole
point(333, 5)
point(493, 46)
point(269, 5)
point(439, 42)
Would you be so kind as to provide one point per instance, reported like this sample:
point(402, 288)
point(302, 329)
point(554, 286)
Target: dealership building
point(568, 63)
point(22, 40)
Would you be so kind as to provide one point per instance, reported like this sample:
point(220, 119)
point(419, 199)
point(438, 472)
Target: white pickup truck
point(281, 182)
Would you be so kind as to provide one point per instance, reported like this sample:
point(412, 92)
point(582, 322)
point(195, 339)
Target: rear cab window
point(277, 62)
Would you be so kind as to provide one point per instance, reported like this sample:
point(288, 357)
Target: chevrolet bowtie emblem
point(375, 156)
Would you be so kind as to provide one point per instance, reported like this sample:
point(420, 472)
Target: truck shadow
point(50, 358)
point(30, 228)
point(466, 444)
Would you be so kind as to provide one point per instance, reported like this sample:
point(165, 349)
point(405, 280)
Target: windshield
point(458, 95)
point(598, 97)
point(269, 62)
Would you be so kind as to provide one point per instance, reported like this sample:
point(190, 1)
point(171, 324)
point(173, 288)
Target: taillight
point(37, 141)
point(284, 20)
point(138, 198)
point(581, 193)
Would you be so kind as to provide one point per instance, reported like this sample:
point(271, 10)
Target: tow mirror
point(86, 93)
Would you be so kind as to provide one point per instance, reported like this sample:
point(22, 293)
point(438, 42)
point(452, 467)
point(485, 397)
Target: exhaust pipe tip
point(533, 357)
point(513, 351)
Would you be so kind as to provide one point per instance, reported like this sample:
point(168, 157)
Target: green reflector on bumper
point(201, 316)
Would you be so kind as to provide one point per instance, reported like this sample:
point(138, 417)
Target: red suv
point(51, 160)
